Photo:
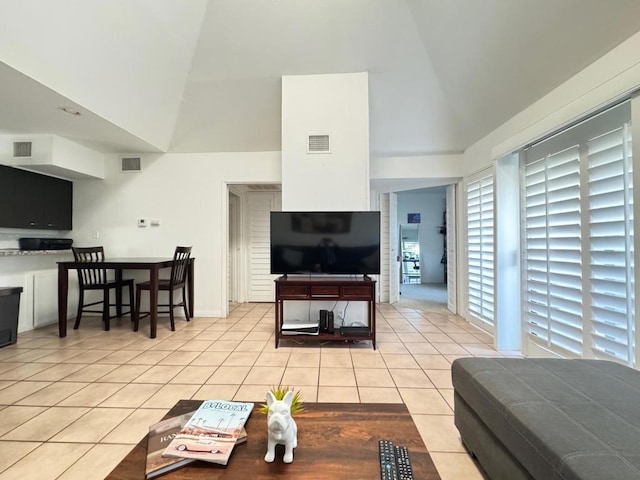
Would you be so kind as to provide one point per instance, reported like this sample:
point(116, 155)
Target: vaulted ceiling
point(205, 76)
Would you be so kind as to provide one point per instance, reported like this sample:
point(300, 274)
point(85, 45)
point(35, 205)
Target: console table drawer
point(294, 291)
point(325, 290)
point(357, 291)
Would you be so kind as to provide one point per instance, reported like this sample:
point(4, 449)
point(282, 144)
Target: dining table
point(152, 264)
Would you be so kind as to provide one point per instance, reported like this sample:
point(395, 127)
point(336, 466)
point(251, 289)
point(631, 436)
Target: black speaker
point(324, 321)
point(330, 328)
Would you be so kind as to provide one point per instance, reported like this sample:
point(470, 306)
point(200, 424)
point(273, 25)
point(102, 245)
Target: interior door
point(450, 215)
point(234, 257)
point(261, 282)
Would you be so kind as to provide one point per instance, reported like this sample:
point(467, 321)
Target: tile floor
point(73, 407)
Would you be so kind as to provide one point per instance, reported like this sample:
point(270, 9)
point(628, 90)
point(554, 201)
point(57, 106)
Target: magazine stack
point(209, 433)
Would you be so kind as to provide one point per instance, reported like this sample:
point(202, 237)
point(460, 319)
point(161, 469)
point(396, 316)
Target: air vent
point(21, 149)
point(264, 187)
point(131, 164)
point(318, 144)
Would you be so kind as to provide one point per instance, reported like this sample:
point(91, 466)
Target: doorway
point(422, 235)
point(249, 265)
point(410, 252)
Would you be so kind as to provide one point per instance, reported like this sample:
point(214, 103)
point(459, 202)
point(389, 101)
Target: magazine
point(160, 435)
point(212, 431)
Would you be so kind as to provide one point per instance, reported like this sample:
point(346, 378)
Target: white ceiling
point(442, 73)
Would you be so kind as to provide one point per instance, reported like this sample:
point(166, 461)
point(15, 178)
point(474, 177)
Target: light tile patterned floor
point(77, 405)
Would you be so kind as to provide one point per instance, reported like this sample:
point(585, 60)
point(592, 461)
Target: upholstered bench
point(549, 419)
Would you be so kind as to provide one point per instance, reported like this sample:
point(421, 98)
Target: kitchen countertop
point(16, 252)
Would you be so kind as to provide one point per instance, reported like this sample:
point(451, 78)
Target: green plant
point(297, 405)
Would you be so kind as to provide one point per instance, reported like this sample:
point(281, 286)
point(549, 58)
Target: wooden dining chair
point(176, 281)
point(95, 278)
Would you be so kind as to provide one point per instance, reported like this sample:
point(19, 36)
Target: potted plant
point(297, 405)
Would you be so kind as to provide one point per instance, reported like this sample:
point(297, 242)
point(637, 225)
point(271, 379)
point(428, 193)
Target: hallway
point(430, 296)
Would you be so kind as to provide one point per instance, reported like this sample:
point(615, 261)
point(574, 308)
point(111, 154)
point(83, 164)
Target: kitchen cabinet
point(6, 199)
point(35, 201)
point(28, 200)
point(58, 203)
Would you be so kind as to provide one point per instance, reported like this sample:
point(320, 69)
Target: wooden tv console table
point(327, 289)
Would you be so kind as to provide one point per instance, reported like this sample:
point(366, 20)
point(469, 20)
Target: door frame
point(452, 252)
point(236, 269)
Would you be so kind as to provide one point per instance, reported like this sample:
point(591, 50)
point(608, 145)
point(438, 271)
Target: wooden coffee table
point(335, 440)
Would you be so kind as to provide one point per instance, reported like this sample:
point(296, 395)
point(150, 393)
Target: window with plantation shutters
point(480, 260)
point(611, 244)
point(553, 254)
point(578, 297)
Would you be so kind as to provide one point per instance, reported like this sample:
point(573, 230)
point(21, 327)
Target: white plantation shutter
point(480, 250)
point(611, 239)
point(385, 246)
point(394, 269)
point(552, 281)
point(578, 297)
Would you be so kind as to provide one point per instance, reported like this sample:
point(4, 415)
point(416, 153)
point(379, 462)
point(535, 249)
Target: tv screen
point(325, 242)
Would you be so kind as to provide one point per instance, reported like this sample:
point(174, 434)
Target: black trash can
point(9, 309)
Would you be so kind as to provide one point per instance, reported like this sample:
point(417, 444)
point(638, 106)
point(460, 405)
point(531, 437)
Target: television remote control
point(405, 472)
point(394, 462)
point(388, 467)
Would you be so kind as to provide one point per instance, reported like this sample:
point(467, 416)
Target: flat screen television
point(325, 243)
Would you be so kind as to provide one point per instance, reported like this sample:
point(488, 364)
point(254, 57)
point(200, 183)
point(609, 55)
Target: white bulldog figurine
point(282, 428)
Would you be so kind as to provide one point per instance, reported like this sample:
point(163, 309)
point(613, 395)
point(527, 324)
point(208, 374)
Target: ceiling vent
point(264, 187)
point(22, 149)
point(318, 144)
point(131, 164)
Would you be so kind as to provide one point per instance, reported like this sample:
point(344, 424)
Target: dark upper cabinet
point(35, 201)
point(28, 200)
point(6, 197)
point(58, 196)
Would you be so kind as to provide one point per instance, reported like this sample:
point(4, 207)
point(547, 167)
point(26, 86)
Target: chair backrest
point(90, 276)
point(180, 266)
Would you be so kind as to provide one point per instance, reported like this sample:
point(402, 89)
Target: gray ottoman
point(549, 419)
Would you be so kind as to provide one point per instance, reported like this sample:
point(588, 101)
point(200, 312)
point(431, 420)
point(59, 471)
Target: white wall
point(430, 206)
point(54, 155)
point(508, 333)
point(418, 166)
point(187, 193)
point(336, 105)
point(133, 76)
point(612, 76)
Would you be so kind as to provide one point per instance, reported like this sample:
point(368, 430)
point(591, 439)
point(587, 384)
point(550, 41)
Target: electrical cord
point(344, 314)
